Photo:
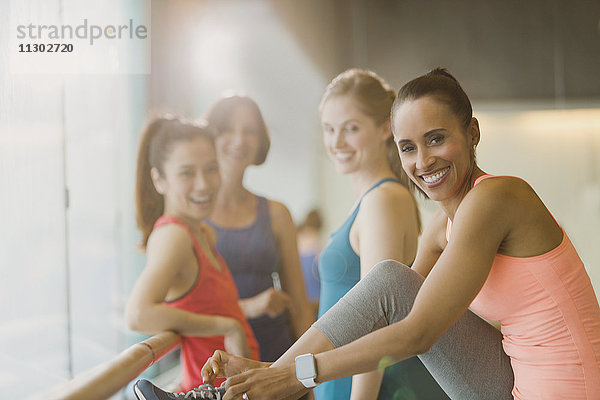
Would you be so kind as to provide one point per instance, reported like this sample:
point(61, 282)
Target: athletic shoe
point(145, 390)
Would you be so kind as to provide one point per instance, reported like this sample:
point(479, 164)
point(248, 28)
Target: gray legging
point(467, 361)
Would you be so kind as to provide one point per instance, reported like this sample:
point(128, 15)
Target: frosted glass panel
point(62, 285)
point(33, 303)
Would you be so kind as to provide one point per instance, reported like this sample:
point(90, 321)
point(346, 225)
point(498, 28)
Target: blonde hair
point(375, 98)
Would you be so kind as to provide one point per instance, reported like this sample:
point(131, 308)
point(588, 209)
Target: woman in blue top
point(383, 223)
point(256, 236)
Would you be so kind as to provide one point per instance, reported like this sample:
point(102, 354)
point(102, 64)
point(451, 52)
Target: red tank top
point(213, 293)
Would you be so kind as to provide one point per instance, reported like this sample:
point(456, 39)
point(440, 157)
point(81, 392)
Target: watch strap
point(309, 383)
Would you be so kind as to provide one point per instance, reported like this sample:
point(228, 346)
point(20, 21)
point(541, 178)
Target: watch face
point(305, 367)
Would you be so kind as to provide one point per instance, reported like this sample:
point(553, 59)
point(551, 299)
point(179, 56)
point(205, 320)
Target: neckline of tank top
point(259, 199)
point(379, 182)
point(198, 250)
point(526, 259)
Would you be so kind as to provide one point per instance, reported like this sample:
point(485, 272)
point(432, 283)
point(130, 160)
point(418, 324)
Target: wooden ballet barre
point(108, 378)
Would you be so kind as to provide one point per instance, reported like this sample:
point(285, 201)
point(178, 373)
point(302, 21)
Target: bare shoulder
point(389, 195)
point(170, 235)
point(281, 218)
point(508, 195)
point(169, 249)
point(511, 209)
point(278, 209)
point(503, 186)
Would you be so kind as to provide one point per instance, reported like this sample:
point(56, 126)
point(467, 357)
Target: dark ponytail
point(440, 84)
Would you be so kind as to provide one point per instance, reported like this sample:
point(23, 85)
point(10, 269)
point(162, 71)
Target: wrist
point(306, 370)
point(232, 326)
point(293, 381)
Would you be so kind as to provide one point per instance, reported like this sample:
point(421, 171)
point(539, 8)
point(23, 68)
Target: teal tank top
point(339, 271)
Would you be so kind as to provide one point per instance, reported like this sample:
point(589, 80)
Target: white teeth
point(201, 199)
point(436, 177)
point(343, 156)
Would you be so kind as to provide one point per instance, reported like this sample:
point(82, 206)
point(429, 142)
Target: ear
point(474, 134)
point(386, 130)
point(157, 180)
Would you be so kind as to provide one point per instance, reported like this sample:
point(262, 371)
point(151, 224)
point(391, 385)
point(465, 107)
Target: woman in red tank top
point(186, 286)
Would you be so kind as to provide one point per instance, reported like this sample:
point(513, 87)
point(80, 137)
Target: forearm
point(366, 386)
point(302, 321)
point(248, 307)
point(159, 317)
point(312, 341)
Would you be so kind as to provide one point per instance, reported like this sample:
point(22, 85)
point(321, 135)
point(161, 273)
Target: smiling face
point(352, 139)
point(435, 148)
point(190, 179)
point(238, 144)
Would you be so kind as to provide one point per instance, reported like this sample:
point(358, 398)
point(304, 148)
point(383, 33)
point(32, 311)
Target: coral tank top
point(550, 321)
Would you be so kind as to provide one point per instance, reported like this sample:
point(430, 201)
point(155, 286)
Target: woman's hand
point(224, 365)
point(270, 302)
point(265, 384)
point(236, 341)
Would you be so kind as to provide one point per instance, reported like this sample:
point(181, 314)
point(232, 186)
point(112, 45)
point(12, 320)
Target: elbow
point(423, 347)
point(131, 320)
point(420, 342)
point(134, 319)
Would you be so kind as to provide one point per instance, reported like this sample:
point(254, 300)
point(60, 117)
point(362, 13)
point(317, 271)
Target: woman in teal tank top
point(354, 114)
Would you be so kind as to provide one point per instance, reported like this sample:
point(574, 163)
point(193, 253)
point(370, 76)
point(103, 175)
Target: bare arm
point(169, 251)
point(292, 279)
point(385, 228)
point(446, 293)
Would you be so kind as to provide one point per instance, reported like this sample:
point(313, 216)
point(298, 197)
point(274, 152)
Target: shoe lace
point(204, 391)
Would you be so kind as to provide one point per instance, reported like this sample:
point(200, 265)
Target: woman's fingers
point(235, 392)
point(277, 303)
point(263, 384)
point(214, 367)
point(242, 383)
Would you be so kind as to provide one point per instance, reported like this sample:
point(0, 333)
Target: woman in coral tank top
point(493, 246)
point(186, 286)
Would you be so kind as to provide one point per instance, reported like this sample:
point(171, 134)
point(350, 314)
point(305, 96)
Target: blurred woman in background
point(185, 286)
point(309, 248)
point(256, 236)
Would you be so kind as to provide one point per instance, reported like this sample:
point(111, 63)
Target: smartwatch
point(306, 370)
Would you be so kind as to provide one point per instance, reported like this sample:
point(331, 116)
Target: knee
point(398, 286)
point(395, 274)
